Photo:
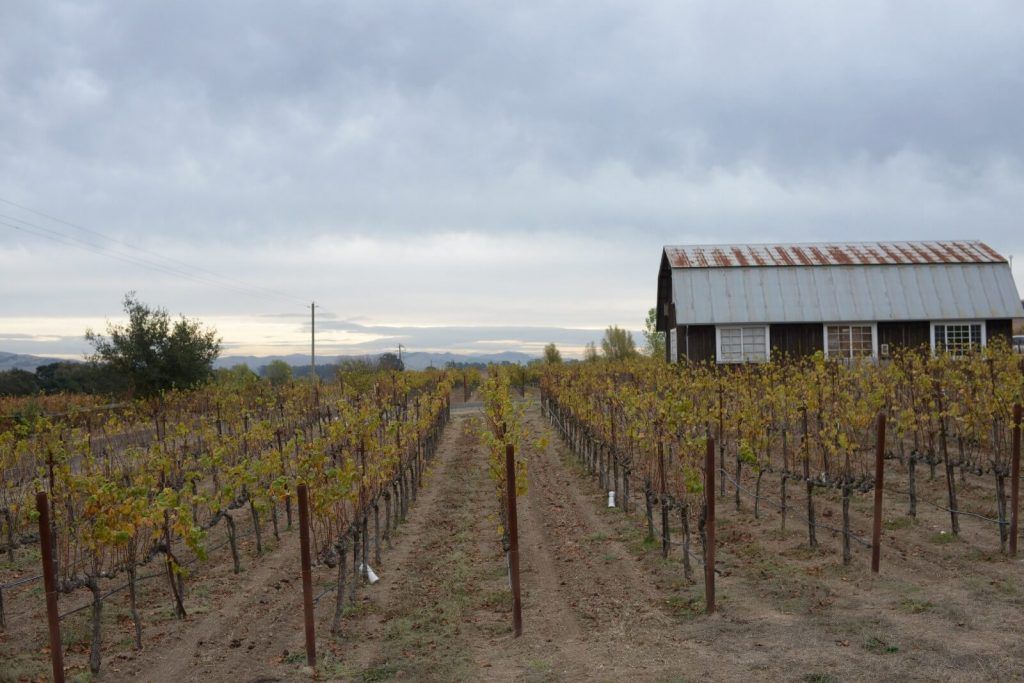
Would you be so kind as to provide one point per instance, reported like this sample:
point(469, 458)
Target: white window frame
point(718, 344)
point(863, 323)
point(984, 332)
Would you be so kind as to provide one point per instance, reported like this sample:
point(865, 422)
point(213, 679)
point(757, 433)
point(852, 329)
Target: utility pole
point(400, 347)
point(312, 341)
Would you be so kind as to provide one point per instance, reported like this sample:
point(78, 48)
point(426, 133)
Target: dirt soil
point(599, 601)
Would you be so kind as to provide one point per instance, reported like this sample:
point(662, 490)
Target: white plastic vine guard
point(611, 499)
point(370, 574)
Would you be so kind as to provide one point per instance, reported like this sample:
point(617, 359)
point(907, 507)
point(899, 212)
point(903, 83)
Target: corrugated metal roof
point(826, 254)
point(960, 291)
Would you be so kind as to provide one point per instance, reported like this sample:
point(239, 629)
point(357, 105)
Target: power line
point(68, 240)
point(126, 245)
point(144, 251)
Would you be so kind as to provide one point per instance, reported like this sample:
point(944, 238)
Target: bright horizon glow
point(241, 336)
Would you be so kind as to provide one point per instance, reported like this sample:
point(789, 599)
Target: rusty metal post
point(307, 575)
point(50, 585)
point(1015, 481)
point(876, 528)
point(709, 526)
point(513, 539)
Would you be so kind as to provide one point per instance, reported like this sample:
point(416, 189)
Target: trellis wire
point(146, 577)
point(817, 525)
point(1000, 522)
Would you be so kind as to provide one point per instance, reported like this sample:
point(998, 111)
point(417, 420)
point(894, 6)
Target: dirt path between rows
point(589, 612)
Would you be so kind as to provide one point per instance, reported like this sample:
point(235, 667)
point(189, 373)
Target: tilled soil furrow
point(255, 620)
point(426, 612)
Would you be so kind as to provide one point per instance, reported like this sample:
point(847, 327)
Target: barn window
point(957, 338)
point(847, 342)
point(741, 344)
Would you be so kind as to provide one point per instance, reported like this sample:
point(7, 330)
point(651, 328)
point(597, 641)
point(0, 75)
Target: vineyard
point(815, 424)
point(124, 489)
point(858, 518)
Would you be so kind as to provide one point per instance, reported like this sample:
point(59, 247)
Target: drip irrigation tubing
point(323, 593)
point(19, 582)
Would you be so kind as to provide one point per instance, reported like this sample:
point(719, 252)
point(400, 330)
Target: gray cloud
point(227, 133)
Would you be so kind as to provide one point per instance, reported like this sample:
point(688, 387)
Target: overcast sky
point(491, 168)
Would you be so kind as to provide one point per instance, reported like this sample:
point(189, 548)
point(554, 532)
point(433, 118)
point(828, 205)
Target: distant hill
point(418, 360)
point(257, 362)
point(414, 360)
point(20, 361)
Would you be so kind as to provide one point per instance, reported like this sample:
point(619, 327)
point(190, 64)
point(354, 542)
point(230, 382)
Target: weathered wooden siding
point(904, 334)
point(796, 340)
point(696, 342)
point(999, 329)
point(671, 334)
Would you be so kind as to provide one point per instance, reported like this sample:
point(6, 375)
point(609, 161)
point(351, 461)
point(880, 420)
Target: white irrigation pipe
point(371, 576)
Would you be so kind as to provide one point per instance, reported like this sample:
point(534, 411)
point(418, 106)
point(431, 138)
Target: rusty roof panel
point(837, 254)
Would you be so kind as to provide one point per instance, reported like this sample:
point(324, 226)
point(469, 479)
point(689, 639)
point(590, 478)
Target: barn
point(748, 303)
